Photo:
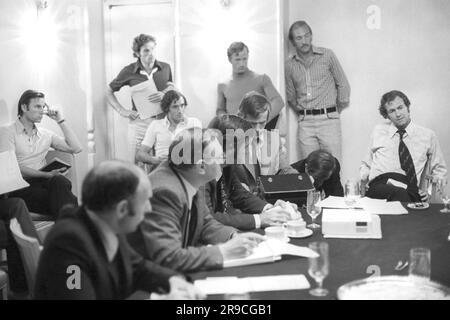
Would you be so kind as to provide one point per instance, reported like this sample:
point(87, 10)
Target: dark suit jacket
point(332, 186)
point(74, 240)
point(162, 234)
point(244, 194)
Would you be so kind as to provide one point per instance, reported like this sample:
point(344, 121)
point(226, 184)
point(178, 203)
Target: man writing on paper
point(144, 75)
point(48, 191)
point(178, 231)
point(244, 80)
point(91, 242)
point(399, 152)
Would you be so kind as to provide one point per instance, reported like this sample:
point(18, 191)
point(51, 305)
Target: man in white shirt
point(398, 154)
point(48, 191)
point(161, 133)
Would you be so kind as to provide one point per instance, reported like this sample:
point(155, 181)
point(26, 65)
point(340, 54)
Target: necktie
point(406, 161)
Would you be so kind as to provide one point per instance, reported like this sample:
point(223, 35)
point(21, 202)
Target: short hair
point(25, 99)
point(320, 163)
point(236, 47)
point(169, 97)
point(139, 41)
point(107, 184)
point(296, 25)
point(196, 140)
point(253, 104)
point(389, 97)
point(230, 122)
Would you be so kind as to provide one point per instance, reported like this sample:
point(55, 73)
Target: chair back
point(30, 251)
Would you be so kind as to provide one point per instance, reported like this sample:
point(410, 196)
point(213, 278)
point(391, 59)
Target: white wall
point(409, 53)
point(52, 61)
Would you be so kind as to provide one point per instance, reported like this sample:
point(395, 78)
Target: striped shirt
point(383, 157)
point(321, 84)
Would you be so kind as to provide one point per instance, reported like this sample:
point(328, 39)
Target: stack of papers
point(269, 251)
point(224, 285)
point(368, 205)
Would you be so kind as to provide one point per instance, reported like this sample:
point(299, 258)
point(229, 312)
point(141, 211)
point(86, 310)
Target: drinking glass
point(445, 197)
point(319, 267)
point(312, 207)
point(352, 193)
point(420, 263)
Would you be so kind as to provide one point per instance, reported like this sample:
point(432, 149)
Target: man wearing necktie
point(399, 153)
point(180, 232)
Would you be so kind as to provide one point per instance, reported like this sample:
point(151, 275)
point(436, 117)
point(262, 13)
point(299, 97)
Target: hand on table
point(241, 245)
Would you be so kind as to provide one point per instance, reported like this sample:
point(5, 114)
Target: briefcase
point(288, 187)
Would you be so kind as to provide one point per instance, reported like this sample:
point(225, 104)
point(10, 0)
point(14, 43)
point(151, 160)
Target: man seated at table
point(222, 195)
point(86, 255)
point(180, 232)
point(160, 133)
point(399, 152)
point(271, 155)
point(324, 171)
point(48, 191)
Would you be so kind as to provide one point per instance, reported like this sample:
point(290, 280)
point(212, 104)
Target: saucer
point(418, 205)
point(305, 233)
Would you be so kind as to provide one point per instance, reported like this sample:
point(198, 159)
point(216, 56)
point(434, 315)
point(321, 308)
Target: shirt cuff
point(257, 221)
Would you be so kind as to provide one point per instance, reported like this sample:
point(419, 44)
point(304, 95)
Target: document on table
point(269, 251)
point(223, 285)
point(140, 94)
point(337, 203)
point(9, 171)
point(377, 206)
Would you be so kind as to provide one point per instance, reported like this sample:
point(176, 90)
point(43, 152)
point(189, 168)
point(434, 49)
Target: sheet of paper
point(140, 94)
point(224, 285)
point(375, 206)
point(261, 254)
point(11, 178)
point(283, 248)
point(337, 203)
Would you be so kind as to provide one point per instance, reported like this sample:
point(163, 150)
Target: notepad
point(270, 251)
point(224, 285)
point(140, 94)
point(9, 171)
point(55, 164)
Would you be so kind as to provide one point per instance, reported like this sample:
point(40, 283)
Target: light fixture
point(41, 5)
point(225, 3)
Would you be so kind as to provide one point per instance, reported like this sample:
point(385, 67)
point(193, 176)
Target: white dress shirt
point(383, 155)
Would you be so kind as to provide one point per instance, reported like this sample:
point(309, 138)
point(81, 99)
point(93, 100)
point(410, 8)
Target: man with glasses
point(48, 191)
point(317, 90)
point(159, 135)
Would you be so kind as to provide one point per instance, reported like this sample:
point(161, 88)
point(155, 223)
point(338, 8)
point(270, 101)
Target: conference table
point(353, 259)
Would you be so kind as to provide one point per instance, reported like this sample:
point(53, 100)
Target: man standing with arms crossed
point(317, 90)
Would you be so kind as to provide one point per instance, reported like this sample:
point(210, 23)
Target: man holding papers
point(399, 153)
point(179, 230)
point(48, 191)
point(148, 80)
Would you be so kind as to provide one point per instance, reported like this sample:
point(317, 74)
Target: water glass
point(445, 197)
point(312, 208)
point(420, 263)
point(352, 193)
point(319, 267)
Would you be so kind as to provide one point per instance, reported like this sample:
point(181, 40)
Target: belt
point(315, 112)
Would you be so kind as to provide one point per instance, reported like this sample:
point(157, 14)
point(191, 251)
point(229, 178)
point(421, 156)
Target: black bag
point(288, 187)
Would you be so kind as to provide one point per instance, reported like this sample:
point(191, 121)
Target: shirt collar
point(109, 238)
point(20, 128)
point(409, 129)
point(138, 66)
point(190, 189)
point(316, 50)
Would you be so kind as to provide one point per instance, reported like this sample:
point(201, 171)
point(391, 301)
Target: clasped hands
point(279, 213)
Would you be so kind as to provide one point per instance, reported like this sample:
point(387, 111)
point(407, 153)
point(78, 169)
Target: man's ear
point(122, 209)
point(24, 107)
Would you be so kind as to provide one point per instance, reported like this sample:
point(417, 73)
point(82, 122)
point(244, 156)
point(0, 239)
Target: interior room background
point(72, 49)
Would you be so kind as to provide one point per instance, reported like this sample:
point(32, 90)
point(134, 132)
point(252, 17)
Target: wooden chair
point(30, 251)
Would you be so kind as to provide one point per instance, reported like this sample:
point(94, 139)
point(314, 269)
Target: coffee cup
point(295, 227)
point(276, 232)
